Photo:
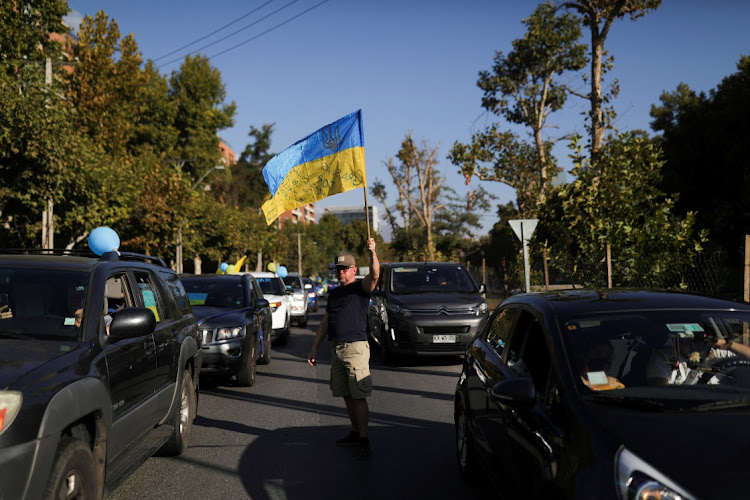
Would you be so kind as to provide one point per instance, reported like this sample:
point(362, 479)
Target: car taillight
point(10, 404)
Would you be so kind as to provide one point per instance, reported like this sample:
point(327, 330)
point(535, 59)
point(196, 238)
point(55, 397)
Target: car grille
point(207, 336)
point(438, 330)
point(450, 311)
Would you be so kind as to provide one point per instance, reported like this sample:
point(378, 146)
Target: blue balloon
point(282, 272)
point(223, 267)
point(103, 239)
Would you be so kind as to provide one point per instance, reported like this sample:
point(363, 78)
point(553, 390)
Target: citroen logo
point(442, 310)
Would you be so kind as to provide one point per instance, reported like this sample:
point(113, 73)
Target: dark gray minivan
point(425, 308)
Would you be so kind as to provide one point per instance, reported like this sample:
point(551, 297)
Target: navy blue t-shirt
point(347, 313)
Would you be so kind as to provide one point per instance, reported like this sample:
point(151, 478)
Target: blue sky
point(412, 65)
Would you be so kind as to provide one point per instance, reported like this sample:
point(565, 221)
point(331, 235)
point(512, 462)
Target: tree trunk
point(197, 262)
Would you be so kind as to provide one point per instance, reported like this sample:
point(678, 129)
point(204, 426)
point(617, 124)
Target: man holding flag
point(345, 325)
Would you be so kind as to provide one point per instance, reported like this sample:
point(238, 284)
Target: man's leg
point(361, 415)
point(351, 410)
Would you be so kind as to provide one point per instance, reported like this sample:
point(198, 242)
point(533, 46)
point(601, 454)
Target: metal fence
point(714, 274)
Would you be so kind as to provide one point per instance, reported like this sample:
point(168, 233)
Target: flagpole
point(367, 210)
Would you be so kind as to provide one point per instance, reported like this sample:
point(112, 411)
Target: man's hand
point(311, 357)
point(5, 312)
point(371, 245)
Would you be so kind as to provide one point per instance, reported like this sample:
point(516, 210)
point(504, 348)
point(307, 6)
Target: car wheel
point(265, 359)
point(181, 419)
point(74, 472)
point(464, 453)
point(246, 375)
point(303, 320)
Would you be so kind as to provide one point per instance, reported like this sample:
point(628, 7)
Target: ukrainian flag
point(326, 162)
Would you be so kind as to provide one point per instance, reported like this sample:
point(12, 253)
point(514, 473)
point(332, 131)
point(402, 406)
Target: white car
point(275, 292)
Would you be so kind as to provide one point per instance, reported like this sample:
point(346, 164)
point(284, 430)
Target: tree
point(704, 140)
point(198, 93)
point(524, 87)
point(246, 187)
point(598, 16)
point(625, 210)
point(419, 186)
point(25, 28)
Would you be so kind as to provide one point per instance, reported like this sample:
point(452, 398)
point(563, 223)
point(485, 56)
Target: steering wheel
point(723, 368)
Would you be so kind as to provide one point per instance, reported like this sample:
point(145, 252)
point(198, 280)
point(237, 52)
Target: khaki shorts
point(350, 369)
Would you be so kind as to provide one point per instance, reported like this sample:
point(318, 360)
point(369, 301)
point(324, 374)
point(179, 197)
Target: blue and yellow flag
point(326, 162)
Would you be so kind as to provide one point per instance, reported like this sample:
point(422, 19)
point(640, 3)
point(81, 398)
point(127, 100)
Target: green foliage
point(198, 94)
point(25, 26)
point(619, 204)
point(704, 141)
point(524, 87)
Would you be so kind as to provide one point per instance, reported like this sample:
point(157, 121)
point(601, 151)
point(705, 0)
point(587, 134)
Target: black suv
point(99, 363)
point(235, 323)
point(423, 308)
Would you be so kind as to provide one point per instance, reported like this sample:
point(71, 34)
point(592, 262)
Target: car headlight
point(311, 294)
point(274, 306)
point(230, 333)
point(10, 404)
point(637, 480)
point(480, 309)
point(397, 309)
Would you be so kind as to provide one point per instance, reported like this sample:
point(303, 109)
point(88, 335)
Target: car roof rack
point(48, 251)
point(80, 252)
point(114, 255)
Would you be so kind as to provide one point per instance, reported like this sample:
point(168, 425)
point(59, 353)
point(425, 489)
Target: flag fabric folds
point(329, 161)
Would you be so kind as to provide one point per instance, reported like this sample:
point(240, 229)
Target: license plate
point(443, 339)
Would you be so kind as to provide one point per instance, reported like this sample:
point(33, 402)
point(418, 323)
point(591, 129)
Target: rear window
point(215, 294)
point(293, 281)
point(426, 278)
point(271, 285)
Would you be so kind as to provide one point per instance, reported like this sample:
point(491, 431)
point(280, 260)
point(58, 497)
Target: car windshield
point(42, 303)
point(293, 281)
point(676, 356)
point(209, 293)
point(270, 285)
point(426, 278)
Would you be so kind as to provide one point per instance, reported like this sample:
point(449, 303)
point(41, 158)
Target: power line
point(213, 32)
point(248, 26)
point(270, 29)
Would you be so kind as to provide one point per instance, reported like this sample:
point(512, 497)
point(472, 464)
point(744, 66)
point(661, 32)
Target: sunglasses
point(343, 268)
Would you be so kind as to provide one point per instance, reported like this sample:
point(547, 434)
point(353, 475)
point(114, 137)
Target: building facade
point(350, 214)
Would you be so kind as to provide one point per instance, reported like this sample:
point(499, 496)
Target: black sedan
point(235, 324)
point(608, 394)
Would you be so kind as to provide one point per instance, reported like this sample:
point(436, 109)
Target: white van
point(275, 292)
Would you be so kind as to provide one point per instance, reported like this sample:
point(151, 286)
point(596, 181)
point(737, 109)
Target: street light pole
point(178, 250)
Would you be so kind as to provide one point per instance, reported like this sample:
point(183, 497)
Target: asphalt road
point(275, 440)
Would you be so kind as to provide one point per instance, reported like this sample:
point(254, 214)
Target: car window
point(177, 292)
point(428, 278)
point(150, 295)
point(499, 330)
point(293, 281)
point(204, 292)
point(255, 292)
point(270, 285)
point(42, 302)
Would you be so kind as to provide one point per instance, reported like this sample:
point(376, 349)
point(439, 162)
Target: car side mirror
point(132, 322)
point(261, 303)
point(514, 391)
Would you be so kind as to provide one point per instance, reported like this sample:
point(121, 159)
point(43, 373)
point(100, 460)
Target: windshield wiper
point(724, 404)
point(630, 402)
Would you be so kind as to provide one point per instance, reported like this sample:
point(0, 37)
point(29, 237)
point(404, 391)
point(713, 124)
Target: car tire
point(464, 452)
point(303, 320)
point(181, 419)
point(265, 359)
point(74, 471)
point(246, 375)
point(284, 338)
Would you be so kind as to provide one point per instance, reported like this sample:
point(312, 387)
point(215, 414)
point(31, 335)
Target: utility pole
point(48, 230)
point(299, 253)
